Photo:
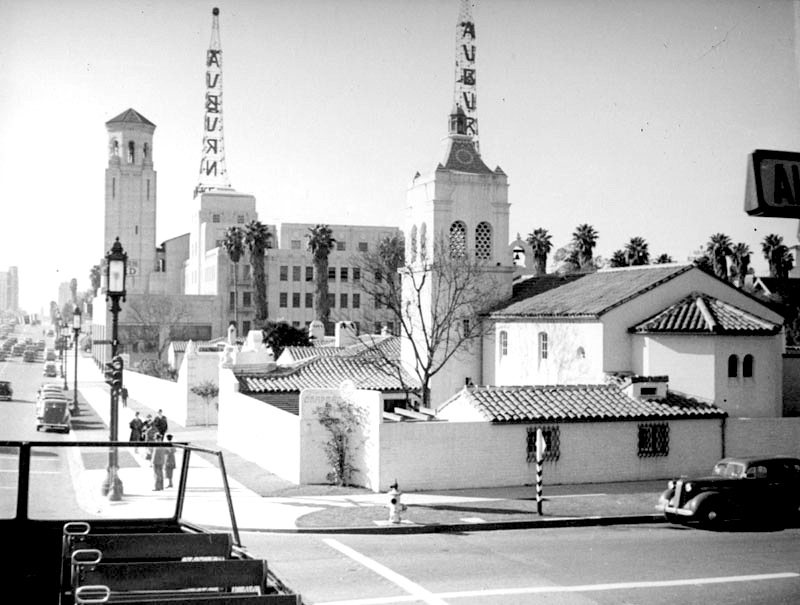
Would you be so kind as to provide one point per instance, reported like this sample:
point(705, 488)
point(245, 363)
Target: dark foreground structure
point(70, 543)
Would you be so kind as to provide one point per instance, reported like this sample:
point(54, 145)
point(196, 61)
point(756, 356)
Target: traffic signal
point(113, 373)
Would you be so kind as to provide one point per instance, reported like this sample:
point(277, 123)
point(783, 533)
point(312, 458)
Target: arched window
point(413, 248)
point(542, 346)
point(733, 366)
point(130, 152)
point(145, 151)
point(747, 366)
point(458, 240)
point(114, 148)
point(423, 242)
point(503, 343)
point(483, 241)
point(580, 353)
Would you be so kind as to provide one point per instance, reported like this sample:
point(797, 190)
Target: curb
point(410, 528)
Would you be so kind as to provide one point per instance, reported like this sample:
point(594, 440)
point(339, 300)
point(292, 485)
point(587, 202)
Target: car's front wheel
point(710, 513)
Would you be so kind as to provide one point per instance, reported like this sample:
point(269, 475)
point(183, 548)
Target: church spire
point(213, 173)
point(463, 118)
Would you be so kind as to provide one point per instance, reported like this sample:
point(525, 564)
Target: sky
point(636, 117)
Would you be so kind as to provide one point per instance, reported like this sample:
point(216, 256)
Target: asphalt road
point(656, 564)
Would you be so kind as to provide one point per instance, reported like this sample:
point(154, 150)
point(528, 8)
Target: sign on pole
point(773, 184)
point(540, 447)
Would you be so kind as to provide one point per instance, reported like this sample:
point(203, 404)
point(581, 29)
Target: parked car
point(29, 355)
point(53, 413)
point(756, 488)
point(50, 369)
point(3, 355)
point(6, 392)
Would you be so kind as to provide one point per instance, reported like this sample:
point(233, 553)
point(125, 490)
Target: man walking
point(160, 422)
point(158, 464)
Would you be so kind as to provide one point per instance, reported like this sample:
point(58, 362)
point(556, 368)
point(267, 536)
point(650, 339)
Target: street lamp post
point(64, 332)
point(116, 268)
point(59, 343)
point(76, 328)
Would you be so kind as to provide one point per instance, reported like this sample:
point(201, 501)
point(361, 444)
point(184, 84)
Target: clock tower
point(130, 197)
point(461, 211)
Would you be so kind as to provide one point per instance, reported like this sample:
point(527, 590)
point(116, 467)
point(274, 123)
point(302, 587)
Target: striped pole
point(540, 447)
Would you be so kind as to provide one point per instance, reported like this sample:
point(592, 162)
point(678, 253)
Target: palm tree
point(585, 239)
point(541, 245)
point(740, 263)
point(257, 238)
point(777, 255)
point(718, 249)
point(636, 252)
point(618, 259)
point(663, 259)
point(234, 246)
point(320, 243)
point(94, 277)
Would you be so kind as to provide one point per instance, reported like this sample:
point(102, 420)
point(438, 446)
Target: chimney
point(346, 334)
point(316, 330)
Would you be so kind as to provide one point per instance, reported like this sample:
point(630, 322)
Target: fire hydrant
point(395, 506)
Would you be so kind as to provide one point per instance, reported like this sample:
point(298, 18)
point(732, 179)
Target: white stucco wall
point(522, 366)
point(687, 360)
point(314, 465)
point(156, 394)
point(198, 368)
point(258, 431)
point(762, 436)
point(452, 455)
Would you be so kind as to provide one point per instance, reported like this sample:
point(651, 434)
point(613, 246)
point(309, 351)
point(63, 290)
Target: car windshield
point(729, 469)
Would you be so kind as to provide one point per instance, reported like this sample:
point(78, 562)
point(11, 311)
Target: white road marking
point(466, 594)
point(417, 592)
point(5, 470)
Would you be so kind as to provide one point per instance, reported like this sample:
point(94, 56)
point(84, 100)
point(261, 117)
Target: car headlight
point(688, 487)
point(671, 484)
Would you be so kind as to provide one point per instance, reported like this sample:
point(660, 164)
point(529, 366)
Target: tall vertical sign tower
point(460, 210)
point(216, 205)
point(130, 197)
point(465, 98)
point(213, 172)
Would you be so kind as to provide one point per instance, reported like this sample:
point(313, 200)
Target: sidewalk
point(264, 502)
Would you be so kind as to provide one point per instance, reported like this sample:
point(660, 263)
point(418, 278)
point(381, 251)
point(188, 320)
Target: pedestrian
point(169, 462)
point(160, 422)
point(136, 425)
point(158, 465)
point(124, 394)
point(148, 434)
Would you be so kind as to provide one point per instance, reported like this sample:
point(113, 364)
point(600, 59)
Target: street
point(652, 563)
point(618, 564)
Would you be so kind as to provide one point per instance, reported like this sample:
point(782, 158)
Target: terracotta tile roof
point(578, 403)
point(326, 373)
point(593, 294)
point(528, 286)
point(702, 314)
point(298, 353)
point(386, 347)
point(130, 116)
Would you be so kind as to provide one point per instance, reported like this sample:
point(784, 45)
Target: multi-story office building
point(9, 290)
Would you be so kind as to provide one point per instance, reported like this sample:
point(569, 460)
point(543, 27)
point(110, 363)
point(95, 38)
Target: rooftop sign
point(773, 184)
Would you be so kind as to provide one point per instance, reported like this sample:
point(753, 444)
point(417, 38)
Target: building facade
point(9, 290)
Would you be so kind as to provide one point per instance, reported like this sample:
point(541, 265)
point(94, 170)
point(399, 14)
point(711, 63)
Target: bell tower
point(130, 196)
point(460, 211)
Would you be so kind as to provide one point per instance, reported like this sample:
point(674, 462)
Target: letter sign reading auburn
point(773, 184)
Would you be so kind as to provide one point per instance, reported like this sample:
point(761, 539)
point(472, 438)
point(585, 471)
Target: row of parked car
point(29, 350)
